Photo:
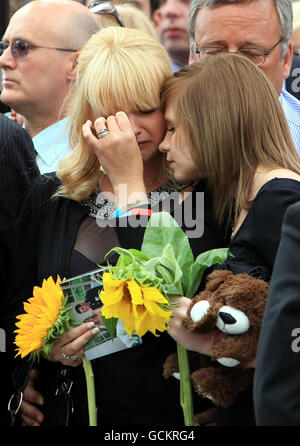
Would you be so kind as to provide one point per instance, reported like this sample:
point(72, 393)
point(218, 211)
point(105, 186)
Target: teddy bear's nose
point(227, 318)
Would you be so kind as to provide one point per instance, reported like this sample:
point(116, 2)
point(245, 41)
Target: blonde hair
point(233, 121)
point(131, 17)
point(118, 69)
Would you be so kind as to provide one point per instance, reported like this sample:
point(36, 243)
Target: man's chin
point(179, 55)
point(9, 99)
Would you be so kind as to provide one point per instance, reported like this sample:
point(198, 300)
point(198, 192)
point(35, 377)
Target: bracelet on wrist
point(124, 209)
point(135, 211)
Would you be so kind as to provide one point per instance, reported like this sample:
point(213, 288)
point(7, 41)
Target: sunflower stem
point(90, 386)
point(186, 395)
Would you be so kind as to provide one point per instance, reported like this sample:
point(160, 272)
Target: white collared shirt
point(51, 145)
point(291, 108)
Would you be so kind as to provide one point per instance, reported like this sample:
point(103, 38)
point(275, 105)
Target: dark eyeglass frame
point(95, 8)
point(263, 52)
point(16, 50)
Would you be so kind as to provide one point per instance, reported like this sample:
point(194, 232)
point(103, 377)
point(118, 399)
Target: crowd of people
point(160, 96)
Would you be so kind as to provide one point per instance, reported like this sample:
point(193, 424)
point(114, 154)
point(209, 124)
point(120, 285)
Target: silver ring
point(102, 133)
point(72, 357)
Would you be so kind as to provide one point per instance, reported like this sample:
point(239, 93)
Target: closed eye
point(149, 111)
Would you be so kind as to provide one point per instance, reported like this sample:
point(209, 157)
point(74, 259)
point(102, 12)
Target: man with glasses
point(259, 29)
point(38, 56)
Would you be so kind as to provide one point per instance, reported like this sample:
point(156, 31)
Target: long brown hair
point(233, 121)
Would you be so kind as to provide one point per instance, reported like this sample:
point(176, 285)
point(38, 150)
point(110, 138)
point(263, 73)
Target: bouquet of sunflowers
point(136, 290)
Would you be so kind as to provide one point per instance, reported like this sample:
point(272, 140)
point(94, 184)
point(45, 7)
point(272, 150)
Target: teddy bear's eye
point(232, 321)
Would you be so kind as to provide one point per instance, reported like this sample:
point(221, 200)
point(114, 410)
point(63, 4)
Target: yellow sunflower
point(141, 309)
point(43, 311)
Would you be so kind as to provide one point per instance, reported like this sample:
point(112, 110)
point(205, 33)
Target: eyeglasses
point(256, 55)
point(19, 48)
point(106, 8)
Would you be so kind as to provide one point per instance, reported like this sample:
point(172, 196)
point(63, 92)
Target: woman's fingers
point(69, 349)
point(87, 132)
point(123, 122)
point(100, 124)
point(76, 332)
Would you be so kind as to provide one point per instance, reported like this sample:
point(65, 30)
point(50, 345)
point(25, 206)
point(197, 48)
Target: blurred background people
point(146, 6)
point(296, 27)
point(109, 14)
point(171, 23)
point(32, 84)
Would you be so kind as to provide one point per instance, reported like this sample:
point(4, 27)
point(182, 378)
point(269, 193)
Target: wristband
point(122, 210)
point(135, 211)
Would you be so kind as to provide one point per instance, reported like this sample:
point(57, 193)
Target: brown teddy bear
point(231, 307)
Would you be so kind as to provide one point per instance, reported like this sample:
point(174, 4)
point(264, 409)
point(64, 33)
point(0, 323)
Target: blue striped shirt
point(291, 108)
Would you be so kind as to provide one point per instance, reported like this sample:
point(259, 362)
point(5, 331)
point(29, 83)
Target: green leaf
point(169, 267)
point(162, 230)
point(203, 261)
point(110, 325)
point(172, 289)
point(139, 255)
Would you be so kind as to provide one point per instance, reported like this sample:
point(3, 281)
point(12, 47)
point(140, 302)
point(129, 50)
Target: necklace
point(103, 208)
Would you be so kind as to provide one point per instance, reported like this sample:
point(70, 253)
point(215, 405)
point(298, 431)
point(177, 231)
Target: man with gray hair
point(259, 29)
point(38, 56)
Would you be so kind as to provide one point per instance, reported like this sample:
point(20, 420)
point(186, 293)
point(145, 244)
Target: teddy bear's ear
point(216, 278)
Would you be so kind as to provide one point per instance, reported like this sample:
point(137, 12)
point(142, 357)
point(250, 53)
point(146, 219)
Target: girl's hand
point(191, 340)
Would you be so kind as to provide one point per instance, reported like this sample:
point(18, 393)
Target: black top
point(256, 241)
point(17, 170)
point(277, 384)
point(255, 246)
point(130, 387)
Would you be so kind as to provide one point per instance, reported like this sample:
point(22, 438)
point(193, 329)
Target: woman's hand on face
point(191, 340)
point(118, 152)
point(69, 349)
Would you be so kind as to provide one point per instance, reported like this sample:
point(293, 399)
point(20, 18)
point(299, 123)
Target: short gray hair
point(284, 9)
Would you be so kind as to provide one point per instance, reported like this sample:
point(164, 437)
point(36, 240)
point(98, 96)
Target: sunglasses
point(19, 48)
point(105, 8)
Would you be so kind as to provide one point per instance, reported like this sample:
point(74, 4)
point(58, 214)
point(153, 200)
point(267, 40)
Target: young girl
point(225, 124)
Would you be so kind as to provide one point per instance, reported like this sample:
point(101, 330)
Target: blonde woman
point(118, 69)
